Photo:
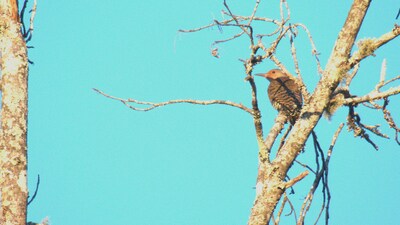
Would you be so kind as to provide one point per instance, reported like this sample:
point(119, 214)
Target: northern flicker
point(283, 93)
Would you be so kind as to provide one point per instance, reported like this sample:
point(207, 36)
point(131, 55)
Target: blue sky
point(102, 163)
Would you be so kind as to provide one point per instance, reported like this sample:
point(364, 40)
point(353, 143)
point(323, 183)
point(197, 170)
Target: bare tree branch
point(152, 105)
point(367, 47)
point(36, 191)
point(292, 209)
point(342, 66)
point(31, 20)
point(303, 88)
point(278, 216)
point(27, 33)
point(292, 182)
point(305, 166)
point(372, 96)
point(349, 77)
point(354, 124)
point(307, 202)
point(389, 119)
point(314, 50)
point(239, 18)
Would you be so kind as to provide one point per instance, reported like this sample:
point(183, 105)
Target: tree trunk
point(273, 174)
point(13, 133)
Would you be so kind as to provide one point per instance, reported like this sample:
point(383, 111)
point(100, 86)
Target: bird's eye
point(273, 71)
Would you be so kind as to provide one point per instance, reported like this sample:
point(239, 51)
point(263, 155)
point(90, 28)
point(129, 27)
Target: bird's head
point(273, 74)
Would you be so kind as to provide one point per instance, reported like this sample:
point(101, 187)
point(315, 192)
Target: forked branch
point(367, 47)
point(320, 175)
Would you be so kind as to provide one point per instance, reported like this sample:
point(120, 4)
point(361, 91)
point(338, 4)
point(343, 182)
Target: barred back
point(284, 95)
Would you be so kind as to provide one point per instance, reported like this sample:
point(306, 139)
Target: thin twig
point(305, 166)
point(283, 138)
point(36, 190)
point(314, 50)
point(372, 96)
point(250, 32)
point(228, 39)
point(292, 209)
point(203, 27)
point(278, 215)
point(389, 119)
point(21, 16)
point(382, 76)
point(152, 105)
point(299, 80)
point(354, 124)
point(33, 13)
point(253, 13)
point(307, 202)
point(391, 80)
point(27, 33)
point(293, 181)
point(350, 77)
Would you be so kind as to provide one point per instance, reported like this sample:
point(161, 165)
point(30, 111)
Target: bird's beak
point(260, 74)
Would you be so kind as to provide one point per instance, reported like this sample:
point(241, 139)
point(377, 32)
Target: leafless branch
point(354, 124)
point(237, 22)
point(21, 16)
point(303, 88)
point(314, 50)
point(278, 216)
point(367, 47)
point(382, 76)
point(265, 148)
point(284, 3)
point(328, 158)
point(239, 18)
point(307, 202)
point(293, 181)
point(294, 55)
point(203, 27)
point(391, 80)
point(152, 105)
point(292, 209)
point(228, 39)
point(271, 172)
point(31, 20)
point(372, 96)
point(36, 190)
point(280, 121)
point(305, 166)
point(389, 119)
point(283, 138)
point(27, 33)
point(353, 73)
point(254, 12)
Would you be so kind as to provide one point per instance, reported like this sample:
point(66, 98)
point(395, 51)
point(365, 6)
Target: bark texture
point(13, 133)
point(273, 185)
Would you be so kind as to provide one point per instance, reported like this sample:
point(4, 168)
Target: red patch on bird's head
point(273, 74)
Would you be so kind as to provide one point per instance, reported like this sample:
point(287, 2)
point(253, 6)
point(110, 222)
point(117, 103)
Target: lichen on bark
point(13, 133)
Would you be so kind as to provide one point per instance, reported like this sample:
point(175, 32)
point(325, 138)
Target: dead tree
point(332, 91)
point(14, 109)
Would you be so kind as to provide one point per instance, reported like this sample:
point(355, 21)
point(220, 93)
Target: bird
point(284, 94)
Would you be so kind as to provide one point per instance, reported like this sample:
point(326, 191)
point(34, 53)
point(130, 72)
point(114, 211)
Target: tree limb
point(335, 70)
point(293, 181)
point(153, 105)
point(372, 96)
point(307, 202)
point(367, 47)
